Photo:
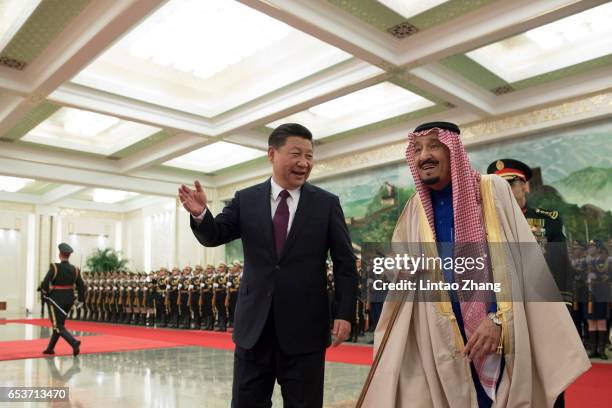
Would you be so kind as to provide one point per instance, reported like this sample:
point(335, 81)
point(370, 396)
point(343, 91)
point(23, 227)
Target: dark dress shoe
point(48, 352)
point(75, 349)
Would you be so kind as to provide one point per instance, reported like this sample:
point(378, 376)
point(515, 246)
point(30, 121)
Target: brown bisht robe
point(418, 361)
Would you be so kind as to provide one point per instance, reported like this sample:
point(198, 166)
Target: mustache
point(428, 161)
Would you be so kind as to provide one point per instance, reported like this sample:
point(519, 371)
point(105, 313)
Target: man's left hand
point(341, 331)
point(484, 340)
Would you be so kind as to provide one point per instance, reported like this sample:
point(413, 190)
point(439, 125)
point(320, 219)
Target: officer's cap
point(510, 169)
point(65, 248)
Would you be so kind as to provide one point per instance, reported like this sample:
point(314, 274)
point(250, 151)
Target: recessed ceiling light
point(87, 123)
point(215, 156)
point(13, 184)
point(199, 37)
point(410, 8)
point(101, 195)
point(360, 108)
point(569, 41)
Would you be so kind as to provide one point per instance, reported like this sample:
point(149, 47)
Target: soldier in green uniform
point(206, 298)
point(220, 285)
point(183, 300)
point(161, 319)
point(194, 298)
point(547, 228)
point(599, 272)
point(58, 287)
point(172, 298)
point(233, 286)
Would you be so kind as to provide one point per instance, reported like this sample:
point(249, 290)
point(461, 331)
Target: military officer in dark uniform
point(547, 228)
point(546, 225)
point(206, 298)
point(597, 311)
point(58, 286)
point(220, 285)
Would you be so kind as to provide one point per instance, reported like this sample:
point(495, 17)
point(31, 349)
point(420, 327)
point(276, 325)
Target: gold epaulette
point(553, 215)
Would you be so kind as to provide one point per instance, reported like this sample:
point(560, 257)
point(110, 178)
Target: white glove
point(191, 286)
point(180, 285)
point(129, 288)
point(144, 289)
point(114, 288)
point(229, 284)
point(215, 285)
point(148, 279)
point(202, 285)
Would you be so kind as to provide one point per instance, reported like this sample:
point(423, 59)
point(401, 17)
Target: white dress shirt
point(275, 190)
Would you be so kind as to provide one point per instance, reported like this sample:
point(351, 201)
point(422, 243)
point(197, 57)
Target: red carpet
point(15, 350)
point(591, 390)
point(217, 340)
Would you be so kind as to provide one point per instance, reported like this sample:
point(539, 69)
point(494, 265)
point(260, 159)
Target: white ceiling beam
point(452, 87)
point(88, 178)
point(340, 80)
point(488, 24)
point(11, 83)
point(59, 193)
point(575, 86)
point(329, 23)
point(160, 153)
point(82, 97)
point(41, 154)
point(74, 160)
point(19, 197)
point(250, 138)
point(98, 26)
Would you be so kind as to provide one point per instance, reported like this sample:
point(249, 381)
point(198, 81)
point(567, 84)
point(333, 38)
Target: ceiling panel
point(86, 131)
point(215, 157)
point(572, 40)
point(207, 57)
point(369, 105)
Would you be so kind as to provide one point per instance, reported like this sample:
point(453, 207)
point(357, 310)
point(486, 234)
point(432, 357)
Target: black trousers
point(255, 371)
point(57, 320)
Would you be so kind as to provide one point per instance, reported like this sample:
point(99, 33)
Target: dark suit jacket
point(294, 283)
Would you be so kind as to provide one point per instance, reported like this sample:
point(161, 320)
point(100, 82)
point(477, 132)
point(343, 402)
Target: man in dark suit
point(287, 227)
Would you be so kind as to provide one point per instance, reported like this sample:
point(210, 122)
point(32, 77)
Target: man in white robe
point(461, 354)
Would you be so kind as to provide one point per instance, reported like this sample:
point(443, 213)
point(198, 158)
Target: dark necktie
point(281, 222)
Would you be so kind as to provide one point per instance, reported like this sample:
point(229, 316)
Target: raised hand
point(194, 201)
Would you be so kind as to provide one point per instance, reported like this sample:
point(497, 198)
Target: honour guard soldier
point(220, 285)
point(599, 272)
point(194, 298)
point(233, 286)
point(173, 298)
point(183, 301)
point(547, 226)
point(149, 303)
point(160, 298)
point(206, 298)
point(58, 287)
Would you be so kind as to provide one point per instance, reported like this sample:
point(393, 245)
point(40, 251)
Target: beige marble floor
point(173, 377)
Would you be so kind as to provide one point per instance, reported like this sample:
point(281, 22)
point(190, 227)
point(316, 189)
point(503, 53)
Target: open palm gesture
point(194, 201)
